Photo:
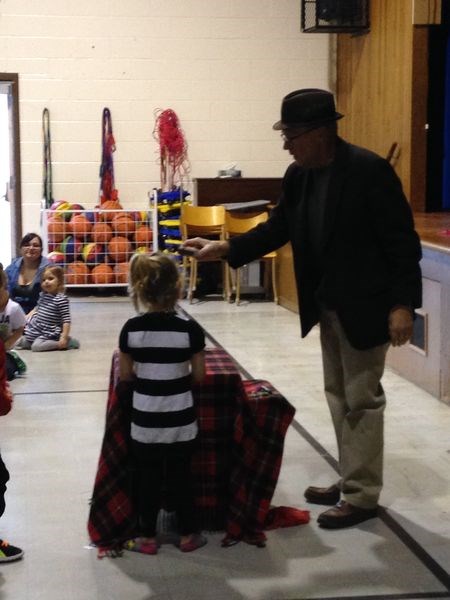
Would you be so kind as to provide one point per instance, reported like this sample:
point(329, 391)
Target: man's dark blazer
point(370, 250)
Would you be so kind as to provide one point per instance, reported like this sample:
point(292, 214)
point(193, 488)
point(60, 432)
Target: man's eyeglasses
point(290, 138)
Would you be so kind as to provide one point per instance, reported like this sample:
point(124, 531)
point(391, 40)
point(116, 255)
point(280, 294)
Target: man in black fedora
point(356, 262)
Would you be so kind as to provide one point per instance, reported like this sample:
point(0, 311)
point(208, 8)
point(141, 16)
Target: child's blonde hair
point(3, 278)
point(154, 281)
point(58, 272)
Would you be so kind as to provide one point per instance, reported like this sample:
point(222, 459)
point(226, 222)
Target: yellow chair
point(202, 221)
point(235, 225)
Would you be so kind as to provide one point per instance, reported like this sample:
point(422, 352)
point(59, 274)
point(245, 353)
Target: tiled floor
point(51, 442)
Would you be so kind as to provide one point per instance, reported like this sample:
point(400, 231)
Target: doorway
point(10, 180)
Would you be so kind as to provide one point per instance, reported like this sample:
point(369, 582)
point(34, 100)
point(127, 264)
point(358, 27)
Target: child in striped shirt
point(48, 326)
point(161, 356)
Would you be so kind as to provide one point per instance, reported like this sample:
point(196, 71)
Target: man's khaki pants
point(356, 400)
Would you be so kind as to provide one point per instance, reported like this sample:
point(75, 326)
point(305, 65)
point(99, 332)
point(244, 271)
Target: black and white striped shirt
point(161, 346)
point(52, 311)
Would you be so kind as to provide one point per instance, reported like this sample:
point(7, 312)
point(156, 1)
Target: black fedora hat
point(307, 108)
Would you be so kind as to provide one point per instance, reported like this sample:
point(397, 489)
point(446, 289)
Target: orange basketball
point(81, 226)
point(119, 248)
point(143, 235)
point(123, 224)
point(109, 205)
point(102, 274)
point(56, 228)
point(77, 273)
point(121, 272)
point(101, 233)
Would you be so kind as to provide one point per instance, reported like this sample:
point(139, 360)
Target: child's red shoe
point(195, 541)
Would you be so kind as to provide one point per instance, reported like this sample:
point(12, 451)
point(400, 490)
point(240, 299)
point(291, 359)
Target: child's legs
point(41, 344)
point(4, 477)
point(148, 481)
point(180, 487)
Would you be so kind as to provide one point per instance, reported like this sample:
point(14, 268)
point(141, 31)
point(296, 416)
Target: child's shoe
point(20, 364)
point(73, 344)
point(138, 545)
point(9, 553)
point(197, 540)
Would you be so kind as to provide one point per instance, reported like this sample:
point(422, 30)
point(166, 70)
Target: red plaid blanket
point(111, 512)
point(216, 404)
point(260, 426)
point(235, 467)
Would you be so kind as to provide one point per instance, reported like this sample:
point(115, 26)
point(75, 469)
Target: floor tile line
point(16, 394)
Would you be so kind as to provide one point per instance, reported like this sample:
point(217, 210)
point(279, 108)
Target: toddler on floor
point(161, 355)
point(48, 324)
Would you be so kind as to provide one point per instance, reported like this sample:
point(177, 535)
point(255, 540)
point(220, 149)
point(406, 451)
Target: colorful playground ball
point(61, 207)
point(56, 229)
point(144, 216)
point(92, 216)
point(119, 249)
point(92, 253)
point(143, 235)
point(71, 248)
point(142, 250)
point(76, 207)
point(77, 273)
point(102, 274)
point(56, 257)
point(81, 226)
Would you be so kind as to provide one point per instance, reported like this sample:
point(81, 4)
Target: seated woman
point(24, 273)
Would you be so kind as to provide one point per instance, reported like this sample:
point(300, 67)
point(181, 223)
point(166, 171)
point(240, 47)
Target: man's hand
point(400, 325)
point(207, 249)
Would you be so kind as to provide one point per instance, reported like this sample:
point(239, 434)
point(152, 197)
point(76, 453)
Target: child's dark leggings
point(4, 477)
point(164, 470)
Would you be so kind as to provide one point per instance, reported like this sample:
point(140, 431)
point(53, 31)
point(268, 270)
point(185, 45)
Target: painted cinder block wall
point(222, 65)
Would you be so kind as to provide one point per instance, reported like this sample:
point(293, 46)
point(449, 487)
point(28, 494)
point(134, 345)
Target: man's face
point(304, 146)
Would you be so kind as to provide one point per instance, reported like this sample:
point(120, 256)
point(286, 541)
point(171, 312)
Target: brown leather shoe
point(345, 515)
point(321, 495)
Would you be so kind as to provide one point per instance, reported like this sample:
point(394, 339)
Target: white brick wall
point(222, 65)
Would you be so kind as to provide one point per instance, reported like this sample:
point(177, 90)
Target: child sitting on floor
point(48, 324)
point(161, 355)
point(12, 323)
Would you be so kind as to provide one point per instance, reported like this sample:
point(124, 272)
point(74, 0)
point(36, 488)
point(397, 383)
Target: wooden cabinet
point(209, 191)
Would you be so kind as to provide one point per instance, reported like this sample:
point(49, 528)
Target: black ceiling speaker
point(335, 16)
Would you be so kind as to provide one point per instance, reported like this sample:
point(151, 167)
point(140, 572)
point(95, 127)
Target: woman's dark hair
point(28, 237)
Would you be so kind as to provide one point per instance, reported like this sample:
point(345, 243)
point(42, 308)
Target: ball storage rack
point(94, 246)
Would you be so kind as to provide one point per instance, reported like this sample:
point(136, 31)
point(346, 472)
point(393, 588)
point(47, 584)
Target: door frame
point(16, 207)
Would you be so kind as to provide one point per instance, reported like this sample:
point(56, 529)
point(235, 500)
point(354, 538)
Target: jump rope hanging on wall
point(173, 158)
point(107, 185)
point(47, 187)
